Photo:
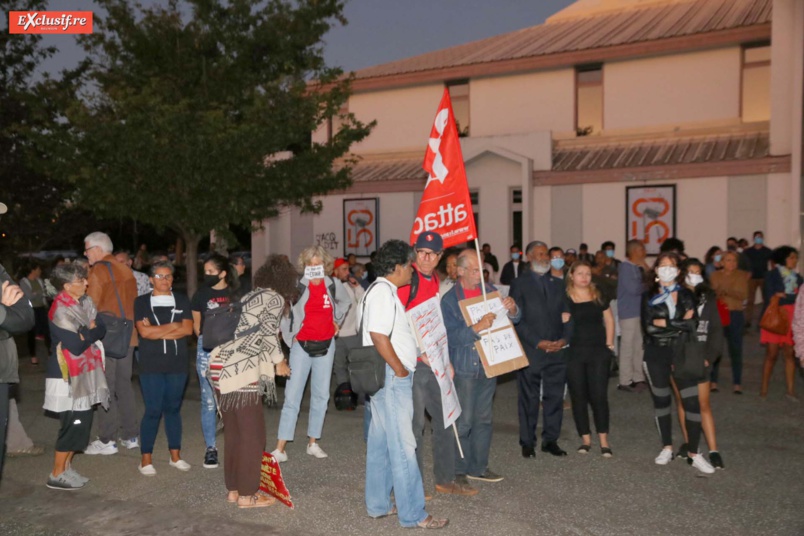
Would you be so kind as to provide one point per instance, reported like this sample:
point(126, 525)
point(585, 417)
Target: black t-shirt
point(589, 327)
point(163, 356)
point(207, 298)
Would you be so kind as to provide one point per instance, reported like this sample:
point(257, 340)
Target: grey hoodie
point(290, 325)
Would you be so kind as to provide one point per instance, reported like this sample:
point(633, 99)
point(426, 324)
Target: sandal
point(606, 452)
point(232, 497)
point(584, 449)
point(255, 501)
point(392, 512)
point(432, 523)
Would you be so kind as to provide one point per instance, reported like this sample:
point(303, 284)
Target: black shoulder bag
point(365, 364)
point(688, 359)
point(119, 329)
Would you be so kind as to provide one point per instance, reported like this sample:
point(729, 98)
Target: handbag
point(689, 360)
point(775, 319)
point(316, 348)
point(119, 329)
point(723, 311)
point(365, 364)
point(220, 324)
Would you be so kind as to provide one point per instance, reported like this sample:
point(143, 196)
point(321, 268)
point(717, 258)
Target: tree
point(198, 115)
point(27, 109)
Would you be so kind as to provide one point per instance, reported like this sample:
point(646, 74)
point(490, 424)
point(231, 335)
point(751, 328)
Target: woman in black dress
point(589, 357)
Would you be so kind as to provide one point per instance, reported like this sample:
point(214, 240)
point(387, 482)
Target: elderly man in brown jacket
point(122, 409)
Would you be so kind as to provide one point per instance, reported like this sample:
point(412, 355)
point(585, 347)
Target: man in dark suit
point(514, 267)
point(544, 330)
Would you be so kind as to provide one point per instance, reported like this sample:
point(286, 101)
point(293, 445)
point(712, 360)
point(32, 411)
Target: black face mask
point(211, 280)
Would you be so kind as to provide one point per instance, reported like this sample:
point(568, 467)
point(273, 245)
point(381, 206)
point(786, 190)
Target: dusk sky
point(380, 31)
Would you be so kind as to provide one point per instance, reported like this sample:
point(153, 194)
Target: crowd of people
point(580, 317)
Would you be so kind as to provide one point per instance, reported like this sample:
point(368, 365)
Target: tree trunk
point(179, 252)
point(191, 262)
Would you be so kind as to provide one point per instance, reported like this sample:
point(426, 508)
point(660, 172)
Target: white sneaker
point(280, 456)
point(664, 457)
point(99, 447)
point(133, 443)
point(148, 470)
point(315, 450)
point(702, 464)
point(181, 465)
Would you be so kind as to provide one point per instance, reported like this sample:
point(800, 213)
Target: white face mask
point(667, 274)
point(314, 272)
point(694, 280)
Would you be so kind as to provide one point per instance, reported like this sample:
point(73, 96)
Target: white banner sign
point(428, 324)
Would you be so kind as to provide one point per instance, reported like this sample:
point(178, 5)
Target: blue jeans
point(163, 395)
point(734, 338)
point(319, 370)
point(391, 453)
point(474, 424)
point(209, 409)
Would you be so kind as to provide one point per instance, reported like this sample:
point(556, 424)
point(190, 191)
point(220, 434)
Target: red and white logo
point(50, 22)
point(446, 207)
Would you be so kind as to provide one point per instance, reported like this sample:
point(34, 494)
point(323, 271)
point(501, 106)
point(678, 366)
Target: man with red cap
point(423, 286)
point(347, 336)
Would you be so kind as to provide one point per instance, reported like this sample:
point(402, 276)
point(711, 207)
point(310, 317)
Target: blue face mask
point(557, 264)
point(718, 258)
point(515, 256)
point(610, 253)
point(759, 240)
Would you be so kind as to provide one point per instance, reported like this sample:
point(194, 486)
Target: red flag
point(271, 481)
point(446, 207)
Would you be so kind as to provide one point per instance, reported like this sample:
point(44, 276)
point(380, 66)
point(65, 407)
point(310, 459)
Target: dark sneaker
point(64, 482)
point(716, 460)
point(211, 458)
point(683, 452)
point(488, 476)
point(528, 452)
point(553, 448)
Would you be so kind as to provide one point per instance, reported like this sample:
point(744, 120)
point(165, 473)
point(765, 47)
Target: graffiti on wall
point(328, 241)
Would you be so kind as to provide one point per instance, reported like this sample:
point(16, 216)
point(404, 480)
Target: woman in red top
point(310, 331)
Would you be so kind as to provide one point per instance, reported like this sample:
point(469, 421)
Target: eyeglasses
point(427, 254)
point(163, 276)
point(87, 250)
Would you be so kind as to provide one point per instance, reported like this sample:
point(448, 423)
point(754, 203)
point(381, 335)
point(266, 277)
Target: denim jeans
point(163, 395)
point(319, 370)
point(209, 408)
point(734, 337)
point(391, 453)
point(427, 396)
point(474, 424)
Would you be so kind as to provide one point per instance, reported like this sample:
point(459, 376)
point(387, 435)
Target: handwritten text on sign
point(429, 327)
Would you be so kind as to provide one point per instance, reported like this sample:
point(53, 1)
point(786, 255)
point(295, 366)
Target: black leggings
point(658, 369)
point(588, 380)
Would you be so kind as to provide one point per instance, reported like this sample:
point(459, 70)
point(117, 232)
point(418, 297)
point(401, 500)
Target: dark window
point(589, 100)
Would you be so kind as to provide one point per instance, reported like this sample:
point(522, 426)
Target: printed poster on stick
point(271, 481)
point(428, 324)
point(651, 215)
point(508, 354)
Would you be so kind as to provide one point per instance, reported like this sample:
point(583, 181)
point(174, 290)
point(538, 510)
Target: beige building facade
point(562, 118)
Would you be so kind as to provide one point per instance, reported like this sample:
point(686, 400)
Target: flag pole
point(458, 440)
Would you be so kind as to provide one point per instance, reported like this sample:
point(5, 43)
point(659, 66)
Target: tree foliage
point(184, 109)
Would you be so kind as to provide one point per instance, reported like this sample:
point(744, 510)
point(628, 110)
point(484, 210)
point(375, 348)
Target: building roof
point(634, 25)
point(667, 152)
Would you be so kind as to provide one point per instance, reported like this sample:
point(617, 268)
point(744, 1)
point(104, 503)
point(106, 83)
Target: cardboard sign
point(428, 324)
point(271, 481)
point(499, 348)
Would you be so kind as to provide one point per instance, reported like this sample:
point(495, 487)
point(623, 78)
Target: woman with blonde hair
point(309, 330)
point(590, 352)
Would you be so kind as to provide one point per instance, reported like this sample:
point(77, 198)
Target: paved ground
point(759, 492)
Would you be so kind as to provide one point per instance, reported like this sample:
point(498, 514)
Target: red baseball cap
point(340, 261)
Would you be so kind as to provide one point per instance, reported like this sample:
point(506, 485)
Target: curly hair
point(780, 254)
point(279, 275)
point(316, 252)
point(391, 254)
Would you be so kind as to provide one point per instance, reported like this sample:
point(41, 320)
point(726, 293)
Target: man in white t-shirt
point(391, 450)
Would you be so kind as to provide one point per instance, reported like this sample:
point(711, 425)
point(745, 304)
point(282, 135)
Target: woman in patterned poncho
point(243, 371)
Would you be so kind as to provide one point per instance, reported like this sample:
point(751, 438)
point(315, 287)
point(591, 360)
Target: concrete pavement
point(759, 492)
